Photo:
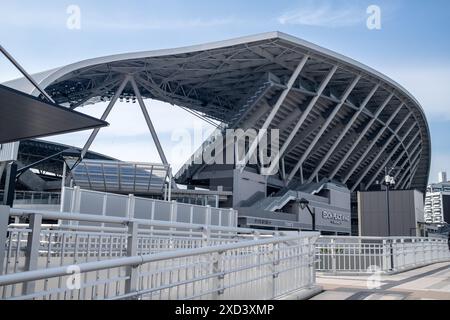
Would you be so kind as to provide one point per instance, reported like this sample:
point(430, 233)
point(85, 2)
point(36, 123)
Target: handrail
point(139, 260)
point(125, 221)
point(381, 238)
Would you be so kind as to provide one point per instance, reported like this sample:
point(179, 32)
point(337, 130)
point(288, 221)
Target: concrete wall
point(247, 185)
point(406, 210)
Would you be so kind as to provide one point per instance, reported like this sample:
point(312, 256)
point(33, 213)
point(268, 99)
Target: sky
point(412, 47)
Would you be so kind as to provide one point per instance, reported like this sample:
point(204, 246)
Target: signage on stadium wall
point(335, 218)
point(9, 151)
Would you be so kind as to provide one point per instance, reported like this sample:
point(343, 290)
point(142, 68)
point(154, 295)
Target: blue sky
point(412, 47)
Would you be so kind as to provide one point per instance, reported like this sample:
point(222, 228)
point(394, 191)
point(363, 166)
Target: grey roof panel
point(24, 116)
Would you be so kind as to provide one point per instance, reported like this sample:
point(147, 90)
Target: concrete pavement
point(427, 283)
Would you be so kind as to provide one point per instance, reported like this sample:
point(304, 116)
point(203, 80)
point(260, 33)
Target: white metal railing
point(76, 200)
point(84, 238)
point(388, 255)
point(35, 197)
point(150, 260)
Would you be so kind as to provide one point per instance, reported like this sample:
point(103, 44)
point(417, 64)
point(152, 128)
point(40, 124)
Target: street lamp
point(388, 182)
point(305, 204)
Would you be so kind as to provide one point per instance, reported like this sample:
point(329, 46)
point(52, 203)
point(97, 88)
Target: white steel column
point(324, 128)
point(343, 133)
point(275, 109)
point(380, 153)
point(362, 134)
point(105, 115)
point(149, 122)
point(375, 140)
point(303, 117)
point(152, 131)
point(389, 158)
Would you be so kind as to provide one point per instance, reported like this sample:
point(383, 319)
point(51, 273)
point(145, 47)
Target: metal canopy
point(121, 177)
point(24, 116)
point(335, 117)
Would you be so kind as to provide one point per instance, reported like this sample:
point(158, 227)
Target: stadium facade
point(340, 122)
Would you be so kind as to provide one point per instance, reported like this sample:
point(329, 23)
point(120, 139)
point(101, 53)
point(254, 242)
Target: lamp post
point(388, 182)
point(305, 204)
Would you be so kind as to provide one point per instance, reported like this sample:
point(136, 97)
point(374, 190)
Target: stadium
point(340, 125)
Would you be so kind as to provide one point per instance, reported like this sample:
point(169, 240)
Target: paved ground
point(428, 283)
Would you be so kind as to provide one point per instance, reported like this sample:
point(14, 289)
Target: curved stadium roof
point(340, 119)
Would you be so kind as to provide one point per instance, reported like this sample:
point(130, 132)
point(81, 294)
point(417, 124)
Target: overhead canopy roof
point(121, 177)
point(23, 116)
point(219, 80)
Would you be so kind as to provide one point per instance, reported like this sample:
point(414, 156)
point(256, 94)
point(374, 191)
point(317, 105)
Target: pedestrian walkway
point(427, 283)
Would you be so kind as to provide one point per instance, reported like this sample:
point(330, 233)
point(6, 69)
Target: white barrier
point(76, 200)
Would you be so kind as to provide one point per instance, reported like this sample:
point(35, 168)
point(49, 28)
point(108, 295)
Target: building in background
point(405, 218)
point(437, 201)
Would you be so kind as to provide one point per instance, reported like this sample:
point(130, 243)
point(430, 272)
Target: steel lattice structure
point(338, 118)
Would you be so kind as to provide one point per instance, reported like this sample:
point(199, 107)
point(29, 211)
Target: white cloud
point(324, 14)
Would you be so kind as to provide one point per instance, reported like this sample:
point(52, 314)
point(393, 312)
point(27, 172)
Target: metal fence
point(82, 238)
point(35, 197)
point(150, 260)
point(76, 200)
point(369, 254)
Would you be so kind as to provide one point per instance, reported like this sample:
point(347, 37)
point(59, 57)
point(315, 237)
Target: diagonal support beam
point(408, 182)
point(375, 140)
point(414, 164)
point(303, 117)
point(389, 158)
point(324, 128)
point(343, 133)
point(363, 133)
point(380, 153)
point(151, 127)
point(105, 115)
point(275, 109)
point(96, 92)
point(405, 152)
point(417, 147)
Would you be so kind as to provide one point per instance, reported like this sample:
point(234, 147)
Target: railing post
point(75, 206)
point(32, 250)
point(131, 284)
point(218, 280)
point(206, 234)
point(208, 215)
point(394, 255)
point(231, 218)
point(4, 220)
point(333, 256)
point(275, 263)
point(404, 252)
point(130, 206)
point(173, 211)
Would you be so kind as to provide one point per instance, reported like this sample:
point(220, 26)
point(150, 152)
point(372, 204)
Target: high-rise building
point(437, 201)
